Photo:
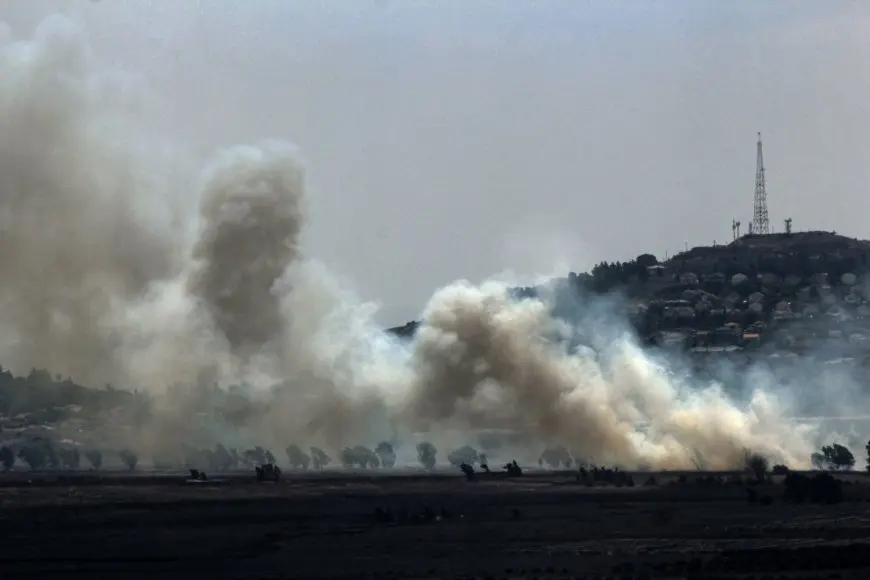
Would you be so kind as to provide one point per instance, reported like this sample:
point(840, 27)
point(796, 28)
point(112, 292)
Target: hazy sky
point(459, 138)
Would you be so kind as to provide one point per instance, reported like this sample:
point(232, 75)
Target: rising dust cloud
point(108, 277)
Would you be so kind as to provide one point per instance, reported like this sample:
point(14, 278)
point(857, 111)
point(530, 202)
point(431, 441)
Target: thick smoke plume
point(250, 221)
point(108, 277)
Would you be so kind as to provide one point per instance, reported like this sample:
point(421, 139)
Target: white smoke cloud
point(106, 277)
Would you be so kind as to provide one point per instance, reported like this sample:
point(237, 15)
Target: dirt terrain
point(325, 526)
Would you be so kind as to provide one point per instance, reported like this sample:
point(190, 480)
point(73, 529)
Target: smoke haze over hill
point(108, 277)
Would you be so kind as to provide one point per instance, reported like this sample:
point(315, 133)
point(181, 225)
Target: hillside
point(798, 291)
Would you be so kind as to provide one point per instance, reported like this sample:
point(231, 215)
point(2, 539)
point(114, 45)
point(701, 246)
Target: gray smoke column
point(250, 221)
point(86, 221)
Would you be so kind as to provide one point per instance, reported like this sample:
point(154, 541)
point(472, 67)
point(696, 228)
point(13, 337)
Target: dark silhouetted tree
point(758, 465)
point(320, 458)
point(359, 456)
point(465, 454)
point(838, 457)
point(386, 453)
point(259, 455)
point(426, 454)
point(298, 459)
point(646, 260)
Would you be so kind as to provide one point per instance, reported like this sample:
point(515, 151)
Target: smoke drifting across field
point(108, 278)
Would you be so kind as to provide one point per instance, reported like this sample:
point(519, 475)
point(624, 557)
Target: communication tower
point(760, 222)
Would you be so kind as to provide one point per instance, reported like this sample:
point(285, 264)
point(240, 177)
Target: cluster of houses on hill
point(712, 313)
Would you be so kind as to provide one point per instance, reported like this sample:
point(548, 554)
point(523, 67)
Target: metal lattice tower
point(760, 222)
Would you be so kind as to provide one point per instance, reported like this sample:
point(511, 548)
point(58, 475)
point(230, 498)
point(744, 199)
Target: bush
point(779, 470)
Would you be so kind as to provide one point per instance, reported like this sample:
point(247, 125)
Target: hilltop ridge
point(815, 284)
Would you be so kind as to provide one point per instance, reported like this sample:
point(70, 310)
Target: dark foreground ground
point(538, 526)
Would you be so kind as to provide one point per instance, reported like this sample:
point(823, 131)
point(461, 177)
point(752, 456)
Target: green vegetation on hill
point(41, 398)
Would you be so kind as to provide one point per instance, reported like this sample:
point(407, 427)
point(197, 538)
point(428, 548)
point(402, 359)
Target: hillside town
point(780, 294)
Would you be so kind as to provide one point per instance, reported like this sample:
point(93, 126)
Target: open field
point(543, 525)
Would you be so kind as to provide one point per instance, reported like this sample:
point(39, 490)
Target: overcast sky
point(460, 138)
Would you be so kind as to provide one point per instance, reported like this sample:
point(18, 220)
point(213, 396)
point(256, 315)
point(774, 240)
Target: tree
point(867, 449)
point(365, 457)
point(298, 459)
point(757, 464)
point(642, 274)
point(426, 454)
point(258, 455)
point(386, 453)
point(835, 457)
point(646, 260)
point(320, 458)
point(465, 454)
point(359, 456)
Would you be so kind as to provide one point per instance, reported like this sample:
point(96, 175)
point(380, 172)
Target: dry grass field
point(325, 526)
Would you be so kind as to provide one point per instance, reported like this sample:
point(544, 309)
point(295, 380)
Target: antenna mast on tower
point(760, 223)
